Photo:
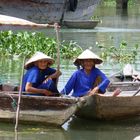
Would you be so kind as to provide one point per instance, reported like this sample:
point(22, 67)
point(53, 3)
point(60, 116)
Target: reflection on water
point(30, 132)
point(75, 129)
point(10, 70)
point(103, 130)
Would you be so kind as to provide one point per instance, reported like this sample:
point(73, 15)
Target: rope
point(13, 103)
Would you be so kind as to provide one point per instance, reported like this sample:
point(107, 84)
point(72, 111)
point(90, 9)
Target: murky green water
point(117, 26)
point(75, 129)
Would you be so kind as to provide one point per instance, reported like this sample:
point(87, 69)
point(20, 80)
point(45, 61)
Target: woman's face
point(42, 64)
point(88, 64)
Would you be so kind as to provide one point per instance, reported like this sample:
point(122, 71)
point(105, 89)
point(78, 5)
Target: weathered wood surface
point(38, 109)
point(107, 107)
point(13, 21)
point(124, 83)
point(86, 24)
point(47, 11)
point(33, 10)
point(84, 11)
point(124, 86)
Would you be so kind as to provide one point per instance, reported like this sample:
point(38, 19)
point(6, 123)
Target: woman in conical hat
point(83, 81)
point(39, 78)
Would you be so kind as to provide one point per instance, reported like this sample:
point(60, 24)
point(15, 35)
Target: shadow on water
point(75, 129)
point(83, 129)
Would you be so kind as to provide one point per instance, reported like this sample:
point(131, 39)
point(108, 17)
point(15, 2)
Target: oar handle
point(136, 92)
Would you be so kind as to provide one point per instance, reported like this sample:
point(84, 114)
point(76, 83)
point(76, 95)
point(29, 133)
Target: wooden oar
point(19, 96)
point(58, 46)
point(136, 92)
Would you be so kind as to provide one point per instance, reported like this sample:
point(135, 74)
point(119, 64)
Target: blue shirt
point(81, 83)
point(36, 76)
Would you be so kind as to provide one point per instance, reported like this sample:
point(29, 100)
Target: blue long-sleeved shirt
point(36, 76)
point(81, 83)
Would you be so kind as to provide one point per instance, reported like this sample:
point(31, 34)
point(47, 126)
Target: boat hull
point(53, 111)
point(86, 24)
point(34, 10)
point(125, 83)
point(110, 108)
point(124, 86)
point(47, 11)
point(84, 11)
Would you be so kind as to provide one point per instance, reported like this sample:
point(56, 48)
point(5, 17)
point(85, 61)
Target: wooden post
point(19, 96)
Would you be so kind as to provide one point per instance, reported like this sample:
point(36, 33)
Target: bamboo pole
point(58, 46)
point(19, 96)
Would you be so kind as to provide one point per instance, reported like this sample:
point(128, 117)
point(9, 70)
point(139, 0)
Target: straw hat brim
point(78, 62)
point(87, 54)
point(36, 57)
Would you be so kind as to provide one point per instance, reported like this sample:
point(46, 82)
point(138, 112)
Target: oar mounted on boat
point(136, 92)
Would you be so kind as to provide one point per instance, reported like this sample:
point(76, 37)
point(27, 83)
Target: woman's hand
point(46, 80)
point(53, 76)
point(93, 91)
point(47, 92)
point(58, 73)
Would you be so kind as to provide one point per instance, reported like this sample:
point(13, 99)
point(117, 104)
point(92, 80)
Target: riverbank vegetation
point(27, 43)
point(112, 3)
point(120, 54)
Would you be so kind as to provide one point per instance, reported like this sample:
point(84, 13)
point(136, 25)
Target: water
point(75, 129)
point(114, 28)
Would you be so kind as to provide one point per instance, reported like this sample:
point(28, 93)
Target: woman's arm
point(102, 85)
point(55, 75)
point(93, 91)
point(69, 85)
point(29, 88)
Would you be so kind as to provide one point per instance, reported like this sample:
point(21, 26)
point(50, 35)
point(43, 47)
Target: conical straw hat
point(87, 54)
point(38, 56)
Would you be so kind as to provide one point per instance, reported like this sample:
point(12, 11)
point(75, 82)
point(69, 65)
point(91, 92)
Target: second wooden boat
point(107, 107)
point(124, 86)
point(81, 24)
point(125, 83)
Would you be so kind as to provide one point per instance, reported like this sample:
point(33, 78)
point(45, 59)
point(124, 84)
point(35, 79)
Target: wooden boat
point(124, 86)
point(53, 111)
point(81, 24)
point(125, 83)
point(49, 11)
point(13, 23)
point(107, 107)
